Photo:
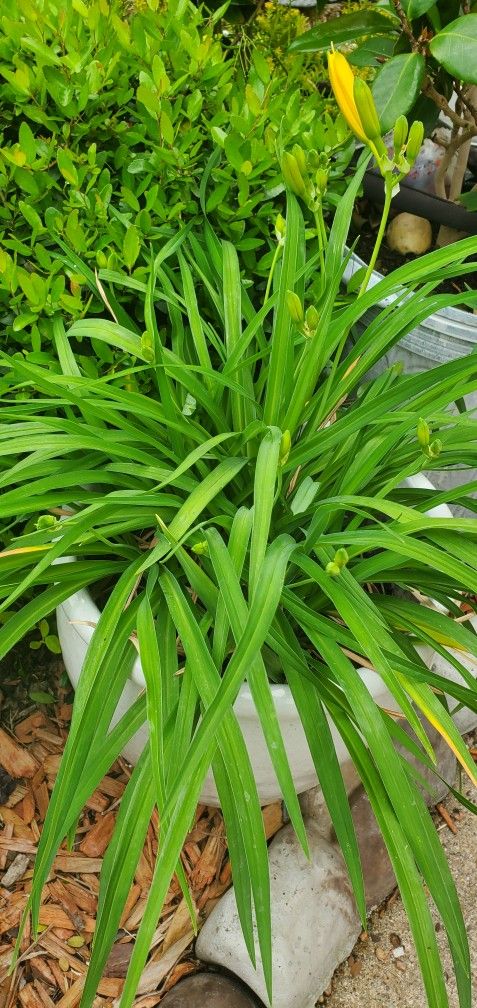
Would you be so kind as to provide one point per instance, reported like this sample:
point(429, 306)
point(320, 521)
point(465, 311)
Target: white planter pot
point(77, 617)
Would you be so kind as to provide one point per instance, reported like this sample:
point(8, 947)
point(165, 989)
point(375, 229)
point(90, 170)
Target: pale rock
point(314, 923)
point(408, 234)
point(448, 235)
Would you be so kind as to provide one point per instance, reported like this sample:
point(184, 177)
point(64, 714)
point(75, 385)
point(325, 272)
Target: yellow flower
point(342, 83)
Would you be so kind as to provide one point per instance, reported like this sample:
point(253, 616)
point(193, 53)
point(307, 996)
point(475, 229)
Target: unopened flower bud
point(312, 318)
point(366, 109)
point(45, 522)
point(423, 433)
point(300, 156)
point(321, 180)
point(295, 307)
point(285, 445)
point(292, 175)
point(341, 557)
point(280, 228)
point(200, 548)
point(333, 569)
point(400, 134)
point(414, 142)
point(435, 448)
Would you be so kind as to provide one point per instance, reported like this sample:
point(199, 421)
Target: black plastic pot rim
point(421, 204)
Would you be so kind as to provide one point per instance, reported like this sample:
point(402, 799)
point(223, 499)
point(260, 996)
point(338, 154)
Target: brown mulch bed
point(52, 967)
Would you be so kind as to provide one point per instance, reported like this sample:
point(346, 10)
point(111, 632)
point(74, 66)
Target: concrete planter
point(77, 617)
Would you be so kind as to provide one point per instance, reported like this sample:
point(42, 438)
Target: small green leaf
point(41, 697)
point(23, 320)
point(53, 644)
point(27, 141)
point(131, 246)
point(455, 47)
point(167, 128)
point(66, 166)
point(397, 86)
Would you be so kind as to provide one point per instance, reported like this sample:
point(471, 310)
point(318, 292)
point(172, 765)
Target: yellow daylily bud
point(366, 109)
point(292, 175)
point(294, 306)
point(414, 143)
point(342, 83)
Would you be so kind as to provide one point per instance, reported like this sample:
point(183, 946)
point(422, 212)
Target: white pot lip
point(465, 319)
point(82, 614)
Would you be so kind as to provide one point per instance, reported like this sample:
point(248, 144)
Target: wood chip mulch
point(52, 968)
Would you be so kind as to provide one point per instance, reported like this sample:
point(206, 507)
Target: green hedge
point(109, 124)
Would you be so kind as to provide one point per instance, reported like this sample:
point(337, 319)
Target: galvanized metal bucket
point(445, 336)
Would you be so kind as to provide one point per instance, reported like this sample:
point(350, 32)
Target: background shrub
point(117, 126)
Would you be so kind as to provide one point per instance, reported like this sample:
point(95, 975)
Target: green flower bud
point(101, 260)
point(295, 307)
point(280, 229)
point(300, 156)
point(367, 112)
point(285, 445)
point(341, 557)
point(292, 175)
point(414, 142)
point(322, 180)
point(312, 318)
point(435, 448)
point(333, 569)
point(200, 548)
point(45, 522)
point(423, 433)
point(400, 134)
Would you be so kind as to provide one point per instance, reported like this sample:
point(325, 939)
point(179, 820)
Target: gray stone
point(314, 923)
point(208, 990)
point(298, 3)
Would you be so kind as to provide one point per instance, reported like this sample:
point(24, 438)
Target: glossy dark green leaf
point(344, 29)
point(397, 86)
point(455, 47)
point(416, 8)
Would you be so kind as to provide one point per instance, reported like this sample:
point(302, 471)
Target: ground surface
point(374, 977)
point(52, 968)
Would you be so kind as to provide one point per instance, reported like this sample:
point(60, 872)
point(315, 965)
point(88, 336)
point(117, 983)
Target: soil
point(365, 226)
point(383, 968)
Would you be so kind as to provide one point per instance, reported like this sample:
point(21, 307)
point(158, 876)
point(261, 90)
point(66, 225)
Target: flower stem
point(389, 183)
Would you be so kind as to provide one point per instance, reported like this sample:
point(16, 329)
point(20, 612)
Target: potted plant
point(424, 56)
point(234, 499)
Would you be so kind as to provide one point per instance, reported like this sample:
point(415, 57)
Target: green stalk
point(389, 183)
point(271, 273)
